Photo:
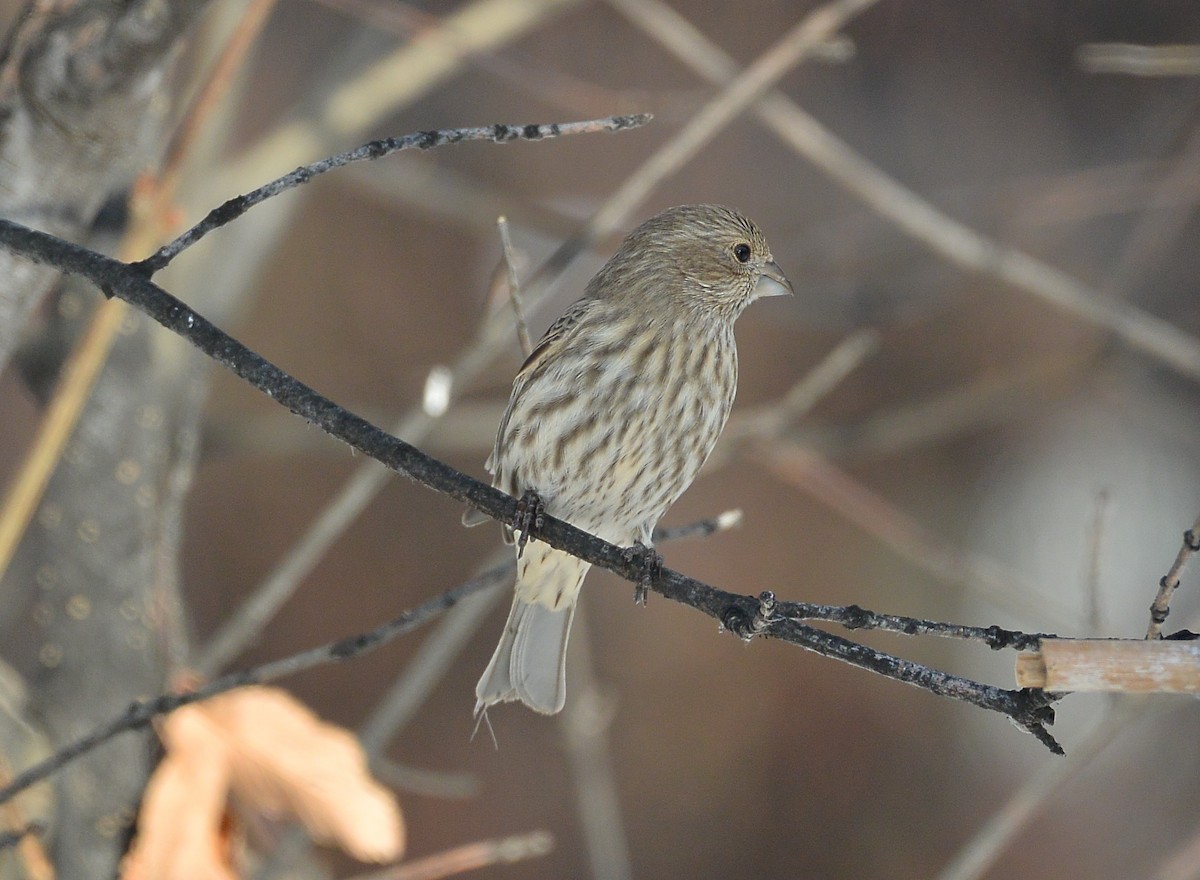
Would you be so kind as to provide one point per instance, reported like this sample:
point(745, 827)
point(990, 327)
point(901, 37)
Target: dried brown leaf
point(179, 826)
point(287, 762)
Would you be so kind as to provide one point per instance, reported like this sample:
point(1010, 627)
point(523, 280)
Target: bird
point(611, 417)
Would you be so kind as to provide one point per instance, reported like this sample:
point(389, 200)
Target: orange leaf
point(286, 762)
point(179, 826)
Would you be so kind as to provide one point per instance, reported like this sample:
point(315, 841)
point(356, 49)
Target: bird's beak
point(772, 282)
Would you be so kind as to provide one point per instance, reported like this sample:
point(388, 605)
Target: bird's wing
point(552, 341)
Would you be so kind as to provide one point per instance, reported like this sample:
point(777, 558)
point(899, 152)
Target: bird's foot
point(651, 564)
point(530, 517)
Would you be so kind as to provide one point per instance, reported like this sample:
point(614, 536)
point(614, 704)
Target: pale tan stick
point(514, 287)
point(1112, 666)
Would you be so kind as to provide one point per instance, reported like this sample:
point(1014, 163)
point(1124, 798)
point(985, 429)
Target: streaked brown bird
point(613, 414)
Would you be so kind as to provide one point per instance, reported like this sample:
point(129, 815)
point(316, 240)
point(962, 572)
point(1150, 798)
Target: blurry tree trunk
point(90, 602)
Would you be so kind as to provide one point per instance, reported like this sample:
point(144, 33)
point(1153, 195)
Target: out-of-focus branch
point(1136, 60)
point(980, 853)
point(912, 214)
point(392, 82)
point(470, 857)
point(737, 93)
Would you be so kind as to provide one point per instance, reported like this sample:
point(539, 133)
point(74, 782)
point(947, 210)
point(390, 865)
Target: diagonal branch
point(742, 614)
point(421, 140)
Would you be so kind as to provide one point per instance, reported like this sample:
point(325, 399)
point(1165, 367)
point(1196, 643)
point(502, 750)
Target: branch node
point(762, 617)
point(857, 617)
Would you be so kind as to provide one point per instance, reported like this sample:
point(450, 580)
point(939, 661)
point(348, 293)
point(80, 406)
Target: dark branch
point(1029, 710)
point(421, 140)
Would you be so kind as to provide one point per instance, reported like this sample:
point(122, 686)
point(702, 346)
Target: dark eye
point(742, 252)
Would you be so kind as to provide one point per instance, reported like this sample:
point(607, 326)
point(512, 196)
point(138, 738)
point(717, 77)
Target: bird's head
point(705, 257)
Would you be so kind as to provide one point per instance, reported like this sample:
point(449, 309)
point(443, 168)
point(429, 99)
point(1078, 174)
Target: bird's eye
point(742, 252)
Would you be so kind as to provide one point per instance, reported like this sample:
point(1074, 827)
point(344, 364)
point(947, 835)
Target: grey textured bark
point(99, 563)
point(80, 114)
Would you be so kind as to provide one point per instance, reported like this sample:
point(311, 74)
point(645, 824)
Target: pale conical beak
point(772, 282)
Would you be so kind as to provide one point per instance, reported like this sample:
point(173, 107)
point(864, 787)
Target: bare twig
point(514, 287)
point(421, 140)
point(1136, 60)
point(1161, 606)
point(470, 857)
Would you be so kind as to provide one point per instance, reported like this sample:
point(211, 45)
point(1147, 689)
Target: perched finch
point(613, 414)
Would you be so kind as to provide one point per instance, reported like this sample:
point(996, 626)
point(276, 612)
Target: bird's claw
point(530, 517)
point(651, 563)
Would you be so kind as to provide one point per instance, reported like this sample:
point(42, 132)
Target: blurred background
point(991, 450)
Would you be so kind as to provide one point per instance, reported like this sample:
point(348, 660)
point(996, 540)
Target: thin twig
point(1161, 606)
point(421, 140)
point(470, 857)
point(391, 83)
point(514, 287)
point(1135, 60)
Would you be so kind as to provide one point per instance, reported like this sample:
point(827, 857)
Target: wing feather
point(552, 341)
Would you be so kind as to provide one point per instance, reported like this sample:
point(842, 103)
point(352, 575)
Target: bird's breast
point(610, 433)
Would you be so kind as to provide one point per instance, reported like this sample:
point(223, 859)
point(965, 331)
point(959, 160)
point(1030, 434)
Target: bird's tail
point(530, 662)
